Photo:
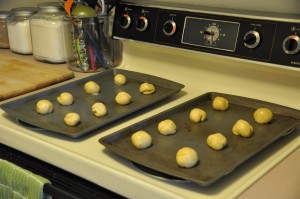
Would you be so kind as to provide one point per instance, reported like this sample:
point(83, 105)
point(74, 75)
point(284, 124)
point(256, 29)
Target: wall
point(280, 6)
point(8, 4)
point(276, 6)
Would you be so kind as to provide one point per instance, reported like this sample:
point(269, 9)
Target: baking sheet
point(212, 164)
point(25, 108)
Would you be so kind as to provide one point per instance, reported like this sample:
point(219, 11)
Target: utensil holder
point(91, 48)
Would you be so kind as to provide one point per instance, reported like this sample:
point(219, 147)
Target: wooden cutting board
point(18, 77)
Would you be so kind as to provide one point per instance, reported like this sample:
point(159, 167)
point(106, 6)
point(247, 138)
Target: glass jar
point(19, 30)
point(46, 32)
point(92, 48)
point(4, 42)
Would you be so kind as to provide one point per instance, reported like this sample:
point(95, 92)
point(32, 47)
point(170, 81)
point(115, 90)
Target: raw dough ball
point(216, 141)
point(92, 87)
point(72, 119)
point(242, 128)
point(197, 115)
point(141, 139)
point(120, 79)
point(123, 98)
point(44, 107)
point(220, 103)
point(99, 109)
point(186, 157)
point(65, 98)
point(167, 127)
point(147, 88)
point(263, 115)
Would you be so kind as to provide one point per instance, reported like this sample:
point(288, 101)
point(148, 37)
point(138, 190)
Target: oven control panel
point(269, 41)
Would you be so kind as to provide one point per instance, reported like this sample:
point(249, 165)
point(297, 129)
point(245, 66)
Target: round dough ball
point(99, 109)
point(92, 87)
point(72, 119)
point(197, 115)
point(186, 157)
point(65, 98)
point(220, 104)
point(217, 141)
point(44, 107)
point(120, 79)
point(263, 115)
point(167, 127)
point(123, 98)
point(141, 139)
point(242, 128)
point(147, 88)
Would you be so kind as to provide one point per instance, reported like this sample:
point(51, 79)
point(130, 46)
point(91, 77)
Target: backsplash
point(9, 4)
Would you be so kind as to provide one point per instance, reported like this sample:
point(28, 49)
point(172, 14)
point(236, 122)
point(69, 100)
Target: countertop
point(274, 173)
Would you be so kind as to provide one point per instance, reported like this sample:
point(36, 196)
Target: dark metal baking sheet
point(25, 108)
point(212, 164)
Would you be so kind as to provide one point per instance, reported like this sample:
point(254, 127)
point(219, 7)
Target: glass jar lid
point(4, 14)
point(50, 7)
point(23, 11)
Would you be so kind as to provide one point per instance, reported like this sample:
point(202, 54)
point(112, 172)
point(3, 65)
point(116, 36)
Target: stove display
point(263, 40)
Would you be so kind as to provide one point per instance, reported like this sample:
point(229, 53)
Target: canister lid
point(4, 14)
point(50, 7)
point(24, 11)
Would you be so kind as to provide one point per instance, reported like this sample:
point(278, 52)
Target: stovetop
point(211, 59)
point(200, 73)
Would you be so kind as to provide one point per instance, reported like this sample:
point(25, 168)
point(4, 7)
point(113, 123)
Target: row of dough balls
point(141, 139)
point(243, 128)
point(261, 115)
point(187, 157)
point(99, 109)
point(122, 98)
point(45, 106)
point(71, 118)
point(93, 88)
point(145, 88)
point(199, 115)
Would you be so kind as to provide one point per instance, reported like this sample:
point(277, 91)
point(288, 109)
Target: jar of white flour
point(18, 29)
point(47, 33)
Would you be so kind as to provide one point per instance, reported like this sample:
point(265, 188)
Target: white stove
point(212, 64)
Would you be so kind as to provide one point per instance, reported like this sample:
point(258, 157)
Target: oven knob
point(125, 21)
point(169, 28)
point(291, 44)
point(142, 23)
point(252, 39)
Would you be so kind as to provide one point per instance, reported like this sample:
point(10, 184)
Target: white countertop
point(199, 73)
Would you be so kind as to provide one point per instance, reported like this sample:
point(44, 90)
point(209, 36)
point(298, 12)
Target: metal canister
point(19, 30)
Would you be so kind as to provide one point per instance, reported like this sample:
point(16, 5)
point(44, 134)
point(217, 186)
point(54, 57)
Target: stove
point(220, 48)
point(256, 36)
